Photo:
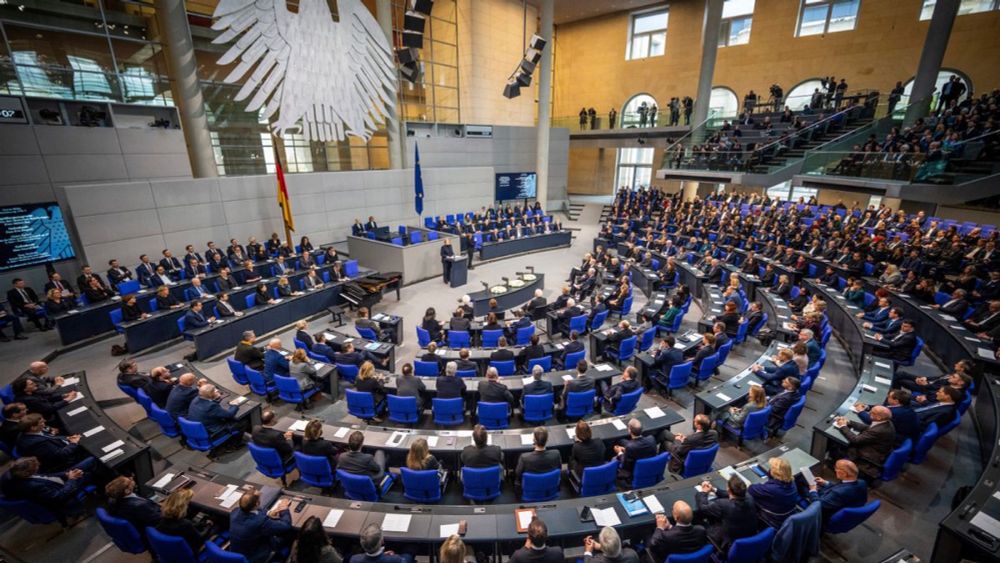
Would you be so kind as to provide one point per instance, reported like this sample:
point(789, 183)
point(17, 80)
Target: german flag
point(283, 200)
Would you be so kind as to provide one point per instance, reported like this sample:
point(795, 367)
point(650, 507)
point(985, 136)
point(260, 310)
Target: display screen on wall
point(32, 234)
point(516, 185)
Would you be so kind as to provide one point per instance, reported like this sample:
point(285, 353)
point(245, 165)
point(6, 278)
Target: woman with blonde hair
point(776, 498)
point(369, 382)
point(55, 304)
point(175, 521)
point(453, 550)
point(419, 458)
point(302, 369)
point(738, 415)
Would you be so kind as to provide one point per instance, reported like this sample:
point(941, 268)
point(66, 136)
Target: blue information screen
point(516, 185)
point(33, 234)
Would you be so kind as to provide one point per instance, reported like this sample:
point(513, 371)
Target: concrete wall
point(124, 220)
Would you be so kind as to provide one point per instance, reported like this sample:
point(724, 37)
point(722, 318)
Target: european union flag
point(418, 184)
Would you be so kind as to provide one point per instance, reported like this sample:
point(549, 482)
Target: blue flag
point(418, 184)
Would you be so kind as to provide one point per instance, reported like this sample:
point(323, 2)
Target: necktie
point(24, 295)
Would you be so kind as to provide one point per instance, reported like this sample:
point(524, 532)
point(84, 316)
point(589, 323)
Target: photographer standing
point(777, 95)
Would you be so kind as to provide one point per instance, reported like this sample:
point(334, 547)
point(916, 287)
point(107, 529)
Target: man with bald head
point(678, 538)
point(850, 492)
point(679, 445)
point(182, 394)
point(275, 363)
point(205, 408)
point(39, 373)
point(869, 444)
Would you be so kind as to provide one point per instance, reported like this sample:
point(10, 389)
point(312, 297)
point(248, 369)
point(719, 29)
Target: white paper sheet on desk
point(164, 480)
point(441, 352)
point(278, 300)
point(341, 432)
point(299, 426)
point(724, 397)
point(108, 457)
point(79, 396)
point(464, 433)
point(928, 307)
point(653, 504)
point(332, 518)
point(571, 432)
point(567, 377)
point(949, 318)
point(727, 472)
point(489, 440)
point(986, 523)
point(231, 499)
point(693, 337)
point(869, 388)
point(605, 516)
point(679, 346)
point(658, 302)
point(883, 381)
point(527, 380)
point(985, 353)
point(319, 365)
point(396, 522)
point(654, 412)
point(618, 424)
point(432, 441)
point(238, 401)
point(70, 381)
point(883, 365)
point(971, 339)
point(112, 445)
point(227, 491)
point(527, 439)
point(76, 411)
point(93, 431)
point(604, 367)
point(448, 530)
point(524, 519)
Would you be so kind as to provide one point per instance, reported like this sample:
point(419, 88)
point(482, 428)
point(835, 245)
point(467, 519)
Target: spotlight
point(423, 6)
point(537, 43)
point(413, 21)
point(527, 66)
point(511, 90)
point(406, 56)
point(413, 39)
point(523, 80)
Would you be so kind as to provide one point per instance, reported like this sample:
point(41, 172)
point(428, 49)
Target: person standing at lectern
point(446, 253)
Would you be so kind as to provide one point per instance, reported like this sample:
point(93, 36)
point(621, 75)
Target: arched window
point(800, 96)
point(943, 76)
point(723, 103)
point(630, 113)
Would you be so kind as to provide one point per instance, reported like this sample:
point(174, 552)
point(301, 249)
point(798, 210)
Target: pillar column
point(394, 140)
point(545, 103)
point(931, 56)
point(183, 69)
point(689, 190)
point(709, 47)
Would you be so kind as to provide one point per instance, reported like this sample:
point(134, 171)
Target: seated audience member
point(539, 459)
point(125, 504)
point(54, 453)
point(481, 453)
point(256, 534)
point(313, 545)
point(262, 296)
point(905, 420)
point(56, 492)
point(535, 549)
point(850, 492)
point(360, 463)
point(370, 382)
point(56, 305)
point(165, 300)
point(453, 550)
point(449, 386)
point(538, 385)
point(582, 381)
point(198, 290)
point(284, 288)
point(24, 302)
point(55, 282)
point(175, 521)
point(459, 322)
point(757, 400)
point(224, 308)
point(942, 410)
point(302, 334)
point(95, 292)
point(776, 498)
point(373, 546)
point(419, 458)
point(182, 394)
point(869, 444)
point(431, 325)
point(350, 356)
point(313, 279)
point(313, 443)
point(900, 346)
point(205, 408)
point(731, 515)
point(574, 345)
point(248, 354)
point(679, 445)
point(9, 428)
point(608, 548)
point(632, 449)
point(117, 273)
point(322, 348)
point(465, 363)
point(683, 536)
point(492, 391)
point(532, 351)
point(195, 318)
point(586, 452)
point(275, 363)
point(502, 354)
point(265, 436)
point(129, 376)
point(782, 402)
point(131, 310)
point(784, 367)
point(8, 319)
point(628, 384)
point(409, 385)
point(301, 368)
point(704, 350)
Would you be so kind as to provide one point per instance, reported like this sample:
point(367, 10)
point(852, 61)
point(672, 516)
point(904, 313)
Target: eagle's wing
point(262, 27)
point(371, 88)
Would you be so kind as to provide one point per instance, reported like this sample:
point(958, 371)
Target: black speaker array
point(414, 23)
point(521, 77)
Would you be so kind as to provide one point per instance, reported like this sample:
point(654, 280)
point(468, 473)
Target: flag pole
point(280, 177)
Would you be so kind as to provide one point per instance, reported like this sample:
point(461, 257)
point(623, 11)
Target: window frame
point(994, 6)
point(630, 40)
point(829, 4)
point(726, 26)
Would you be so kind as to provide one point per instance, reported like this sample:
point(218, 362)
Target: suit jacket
point(171, 265)
point(411, 386)
point(119, 275)
point(586, 454)
point(225, 309)
point(54, 492)
point(145, 273)
point(614, 393)
point(730, 519)
point(678, 539)
point(870, 445)
point(780, 404)
point(180, 399)
point(537, 387)
point(214, 416)
point(579, 383)
point(275, 363)
point(249, 355)
point(449, 387)
point(956, 307)
point(166, 302)
point(459, 323)
point(380, 558)
point(477, 458)
point(537, 462)
point(17, 300)
point(635, 449)
point(494, 392)
point(360, 463)
point(694, 441)
point(666, 359)
point(194, 319)
point(158, 391)
point(905, 421)
point(833, 497)
point(702, 353)
point(250, 534)
point(140, 512)
point(322, 448)
point(62, 286)
point(940, 413)
point(54, 453)
point(324, 350)
point(502, 355)
point(305, 337)
point(775, 501)
point(901, 346)
point(549, 554)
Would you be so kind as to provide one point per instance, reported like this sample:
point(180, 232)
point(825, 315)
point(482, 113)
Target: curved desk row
point(736, 389)
point(872, 388)
point(842, 318)
point(521, 245)
point(250, 409)
point(779, 314)
point(507, 300)
point(491, 528)
point(606, 373)
point(482, 355)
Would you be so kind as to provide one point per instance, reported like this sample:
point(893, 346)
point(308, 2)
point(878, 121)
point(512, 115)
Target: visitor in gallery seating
point(680, 537)
point(165, 300)
point(256, 534)
point(56, 492)
point(539, 459)
point(370, 382)
point(360, 463)
point(586, 452)
point(182, 395)
point(679, 445)
point(776, 498)
point(850, 492)
point(450, 386)
point(124, 503)
point(275, 362)
point(313, 443)
point(312, 544)
point(419, 458)
point(175, 521)
point(730, 515)
point(409, 385)
point(629, 383)
point(248, 354)
point(431, 324)
point(481, 453)
point(262, 296)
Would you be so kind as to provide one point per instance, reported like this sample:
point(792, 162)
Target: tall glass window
point(737, 17)
point(723, 103)
point(635, 168)
point(965, 7)
point(631, 116)
point(648, 34)
point(817, 17)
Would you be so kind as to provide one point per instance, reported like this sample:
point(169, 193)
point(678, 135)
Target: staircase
point(797, 153)
point(573, 210)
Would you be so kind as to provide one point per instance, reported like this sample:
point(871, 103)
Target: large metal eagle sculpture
point(335, 77)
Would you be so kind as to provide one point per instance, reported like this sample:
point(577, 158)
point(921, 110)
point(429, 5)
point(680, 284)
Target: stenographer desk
point(509, 299)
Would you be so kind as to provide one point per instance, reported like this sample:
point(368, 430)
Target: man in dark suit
point(536, 303)
point(205, 408)
point(129, 375)
point(502, 353)
point(87, 274)
point(521, 320)
point(255, 534)
point(322, 348)
point(538, 460)
point(535, 549)
point(901, 346)
point(574, 345)
point(364, 321)
point(373, 548)
point(118, 274)
point(353, 357)
point(146, 270)
point(56, 492)
point(125, 504)
point(248, 354)
point(266, 436)
point(664, 358)
point(681, 537)
point(171, 264)
point(904, 418)
point(608, 548)
point(721, 338)
point(448, 385)
point(731, 515)
point(371, 225)
point(537, 386)
point(194, 318)
point(941, 411)
point(408, 385)
point(181, 395)
point(582, 381)
point(275, 363)
point(24, 301)
point(680, 445)
point(481, 453)
point(571, 310)
point(27, 391)
point(869, 444)
point(704, 350)
point(850, 492)
point(628, 384)
point(56, 282)
point(464, 363)
point(632, 449)
point(783, 401)
point(889, 326)
point(54, 453)
point(956, 306)
point(492, 391)
point(359, 463)
point(212, 253)
point(532, 351)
